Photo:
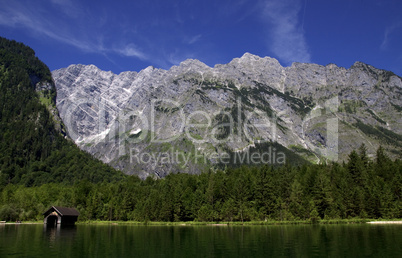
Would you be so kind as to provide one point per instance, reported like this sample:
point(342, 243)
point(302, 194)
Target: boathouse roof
point(62, 211)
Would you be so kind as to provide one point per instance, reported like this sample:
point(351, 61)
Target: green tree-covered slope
point(32, 151)
point(361, 188)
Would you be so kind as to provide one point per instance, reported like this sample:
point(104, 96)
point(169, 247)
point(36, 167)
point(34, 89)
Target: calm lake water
point(202, 241)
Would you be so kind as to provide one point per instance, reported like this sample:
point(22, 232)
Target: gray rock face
point(156, 121)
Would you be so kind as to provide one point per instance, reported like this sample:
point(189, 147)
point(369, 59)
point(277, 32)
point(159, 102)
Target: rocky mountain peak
point(248, 56)
point(253, 60)
point(245, 102)
point(332, 66)
point(366, 68)
point(195, 63)
point(359, 64)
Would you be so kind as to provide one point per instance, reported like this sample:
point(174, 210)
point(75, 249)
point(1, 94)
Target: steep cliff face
point(33, 148)
point(156, 121)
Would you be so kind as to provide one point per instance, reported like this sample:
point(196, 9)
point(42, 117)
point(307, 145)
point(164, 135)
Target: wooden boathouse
point(57, 215)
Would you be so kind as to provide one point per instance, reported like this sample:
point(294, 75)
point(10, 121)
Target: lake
point(201, 241)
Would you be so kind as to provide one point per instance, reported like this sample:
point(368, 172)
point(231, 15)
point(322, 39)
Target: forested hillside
point(361, 188)
point(32, 151)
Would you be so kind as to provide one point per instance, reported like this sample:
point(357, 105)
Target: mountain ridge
point(301, 98)
point(246, 55)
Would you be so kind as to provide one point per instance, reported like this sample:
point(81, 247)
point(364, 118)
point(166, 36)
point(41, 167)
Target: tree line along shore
point(360, 189)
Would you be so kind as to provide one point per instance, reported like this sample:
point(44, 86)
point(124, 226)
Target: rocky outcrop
point(193, 115)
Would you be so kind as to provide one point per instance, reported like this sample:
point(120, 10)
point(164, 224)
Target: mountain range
point(194, 118)
point(250, 111)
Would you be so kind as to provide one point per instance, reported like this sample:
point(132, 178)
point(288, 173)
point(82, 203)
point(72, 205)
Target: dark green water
point(202, 241)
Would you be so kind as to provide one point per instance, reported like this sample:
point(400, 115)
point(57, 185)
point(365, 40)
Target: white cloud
point(13, 17)
point(70, 8)
point(287, 40)
point(63, 3)
point(387, 35)
point(131, 51)
point(38, 21)
point(193, 39)
point(19, 15)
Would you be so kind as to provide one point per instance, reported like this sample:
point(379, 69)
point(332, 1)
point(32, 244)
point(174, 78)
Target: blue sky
point(131, 35)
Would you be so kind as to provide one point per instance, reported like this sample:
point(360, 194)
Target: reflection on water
point(201, 241)
point(54, 233)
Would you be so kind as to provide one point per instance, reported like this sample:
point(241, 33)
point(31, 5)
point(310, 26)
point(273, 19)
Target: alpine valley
point(227, 121)
point(249, 111)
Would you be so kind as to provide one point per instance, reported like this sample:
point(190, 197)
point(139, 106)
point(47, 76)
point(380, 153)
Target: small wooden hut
point(60, 215)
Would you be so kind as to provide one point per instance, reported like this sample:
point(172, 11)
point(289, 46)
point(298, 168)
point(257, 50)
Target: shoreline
point(239, 223)
point(222, 223)
point(386, 222)
point(25, 223)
